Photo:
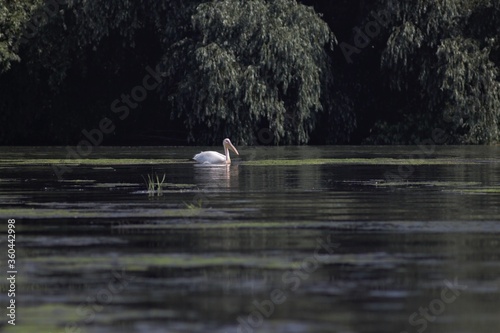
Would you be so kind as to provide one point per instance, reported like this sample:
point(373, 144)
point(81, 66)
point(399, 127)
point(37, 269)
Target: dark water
point(345, 239)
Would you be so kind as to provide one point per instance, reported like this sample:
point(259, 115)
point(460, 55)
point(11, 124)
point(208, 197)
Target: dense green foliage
point(14, 16)
point(400, 70)
point(251, 64)
point(445, 59)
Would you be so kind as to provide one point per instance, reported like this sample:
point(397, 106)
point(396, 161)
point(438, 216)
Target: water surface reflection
point(244, 248)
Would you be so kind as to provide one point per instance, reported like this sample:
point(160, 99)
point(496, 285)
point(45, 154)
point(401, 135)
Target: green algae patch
point(405, 183)
point(46, 318)
point(189, 261)
point(91, 161)
point(115, 185)
point(105, 213)
point(78, 181)
point(484, 190)
point(208, 225)
point(357, 161)
point(144, 262)
point(197, 261)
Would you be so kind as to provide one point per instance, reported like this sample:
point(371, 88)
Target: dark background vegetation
point(310, 71)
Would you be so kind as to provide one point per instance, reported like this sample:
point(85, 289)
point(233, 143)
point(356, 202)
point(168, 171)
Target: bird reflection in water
point(212, 176)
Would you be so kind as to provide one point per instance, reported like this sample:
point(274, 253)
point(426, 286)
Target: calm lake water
point(288, 239)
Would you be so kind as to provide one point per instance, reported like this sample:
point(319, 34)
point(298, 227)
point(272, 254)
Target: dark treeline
point(313, 71)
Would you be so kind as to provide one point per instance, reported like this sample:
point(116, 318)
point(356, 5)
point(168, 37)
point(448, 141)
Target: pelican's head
point(228, 145)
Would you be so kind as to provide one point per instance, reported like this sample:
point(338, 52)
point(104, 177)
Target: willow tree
point(249, 65)
point(14, 16)
point(444, 55)
point(73, 58)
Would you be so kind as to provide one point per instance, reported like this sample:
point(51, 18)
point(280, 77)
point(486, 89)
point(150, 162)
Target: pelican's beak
point(230, 145)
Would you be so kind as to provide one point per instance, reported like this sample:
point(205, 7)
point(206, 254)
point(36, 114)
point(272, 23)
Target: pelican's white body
point(210, 157)
point(213, 157)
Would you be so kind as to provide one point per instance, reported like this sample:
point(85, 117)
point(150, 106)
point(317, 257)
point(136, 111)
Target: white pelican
point(213, 157)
